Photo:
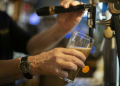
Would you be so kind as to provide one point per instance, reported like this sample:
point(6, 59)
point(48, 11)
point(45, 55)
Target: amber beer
point(82, 43)
point(73, 74)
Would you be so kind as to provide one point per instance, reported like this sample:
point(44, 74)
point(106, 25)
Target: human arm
point(48, 39)
point(54, 61)
point(50, 63)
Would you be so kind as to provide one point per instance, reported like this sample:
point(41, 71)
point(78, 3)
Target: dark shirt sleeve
point(19, 37)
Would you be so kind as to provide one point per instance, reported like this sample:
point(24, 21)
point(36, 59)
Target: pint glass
point(82, 43)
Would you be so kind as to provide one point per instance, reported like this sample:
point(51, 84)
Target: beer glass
point(82, 43)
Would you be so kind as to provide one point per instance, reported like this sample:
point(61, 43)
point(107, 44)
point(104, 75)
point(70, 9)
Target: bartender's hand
point(68, 21)
point(55, 61)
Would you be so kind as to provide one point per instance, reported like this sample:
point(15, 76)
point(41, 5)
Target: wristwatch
point(25, 67)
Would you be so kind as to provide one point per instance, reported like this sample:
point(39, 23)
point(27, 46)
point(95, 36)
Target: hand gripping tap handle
point(51, 10)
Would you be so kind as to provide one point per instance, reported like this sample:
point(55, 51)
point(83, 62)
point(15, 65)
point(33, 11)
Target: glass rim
point(84, 34)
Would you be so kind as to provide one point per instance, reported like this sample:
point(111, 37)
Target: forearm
point(50, 63)
point(9, 70)
point(46, 40)
point(65, 23)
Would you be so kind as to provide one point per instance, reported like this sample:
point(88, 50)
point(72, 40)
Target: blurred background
point(23, 12)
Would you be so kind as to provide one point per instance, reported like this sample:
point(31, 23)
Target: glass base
point(66, 79)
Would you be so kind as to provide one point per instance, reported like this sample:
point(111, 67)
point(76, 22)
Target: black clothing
point(12, 38)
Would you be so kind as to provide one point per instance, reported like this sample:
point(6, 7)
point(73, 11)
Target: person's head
point(3, 3)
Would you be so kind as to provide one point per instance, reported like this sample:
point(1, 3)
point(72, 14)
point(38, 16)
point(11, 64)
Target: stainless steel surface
point(109, 1)
point(93, 1)
point(108, 47)
point(87, 6)
point(89, 20)
point(110, 62)
point(82, 81)
point(102, 45)
point(103, 22)
point(112, 8)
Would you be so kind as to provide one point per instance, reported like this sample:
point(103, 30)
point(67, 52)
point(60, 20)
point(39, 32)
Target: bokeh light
point(34, 19)
point(83, 32)
point(67, 36)
point(93, 50)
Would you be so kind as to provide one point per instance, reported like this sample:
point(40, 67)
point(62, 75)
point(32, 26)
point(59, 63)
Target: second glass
point(82, 43)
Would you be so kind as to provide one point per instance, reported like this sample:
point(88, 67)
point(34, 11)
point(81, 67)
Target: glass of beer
point(82, 43)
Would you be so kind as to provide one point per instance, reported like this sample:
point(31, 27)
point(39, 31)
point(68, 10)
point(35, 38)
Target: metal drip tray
point(85, 82)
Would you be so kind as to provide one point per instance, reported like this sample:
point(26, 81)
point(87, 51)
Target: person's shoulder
point(3, 13)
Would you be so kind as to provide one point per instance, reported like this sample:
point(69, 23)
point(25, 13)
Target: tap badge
point(52, 10)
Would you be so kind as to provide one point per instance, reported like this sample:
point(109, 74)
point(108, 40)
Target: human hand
point(55, 61)
point(67, 21)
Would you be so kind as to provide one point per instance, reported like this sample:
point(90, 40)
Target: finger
point(77, 3)
point(68, 65)
point(73, 62)
point(61, 73)
point(81, 2)
point(74, 3)
point(64, 1)
point(65, 4)
point(79, 13)
point(74, 52)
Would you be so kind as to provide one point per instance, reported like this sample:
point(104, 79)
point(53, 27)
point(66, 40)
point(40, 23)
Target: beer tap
point(91, 16)
point(111, 38)
point(111, 34)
